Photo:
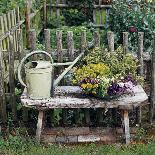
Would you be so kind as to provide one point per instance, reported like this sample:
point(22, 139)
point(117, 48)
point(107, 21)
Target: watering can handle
point(24, 59)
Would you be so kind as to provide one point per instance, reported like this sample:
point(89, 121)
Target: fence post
point(110, 36)
point(60, 59)
point(152, 84)
point(59, 46)
point(70, 45)
point(27, 21)
point(125, 42)
point(2, 91)
point(96, 39)
point(140, 52)
point(47, 35)
point(32, 39)
point(20, 43)
point(86, 111)
point(12, 78)
point(45, 13)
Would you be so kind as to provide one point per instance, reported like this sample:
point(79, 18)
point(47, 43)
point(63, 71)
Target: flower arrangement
point(107, 75)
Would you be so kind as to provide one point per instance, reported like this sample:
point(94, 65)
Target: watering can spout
point(56, 82)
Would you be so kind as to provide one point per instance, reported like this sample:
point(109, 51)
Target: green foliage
point(54, 22)
point(133, 17)
point(74, 17)
point(10, 4)
point(77, 35)
point(120, 64)
point(80, 15)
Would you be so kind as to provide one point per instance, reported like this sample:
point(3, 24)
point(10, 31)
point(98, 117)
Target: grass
point(16, 145)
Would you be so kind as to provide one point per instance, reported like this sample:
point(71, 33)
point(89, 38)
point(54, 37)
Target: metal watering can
point(39, 75)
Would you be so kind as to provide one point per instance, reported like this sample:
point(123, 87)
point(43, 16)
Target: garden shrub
point(133, 17)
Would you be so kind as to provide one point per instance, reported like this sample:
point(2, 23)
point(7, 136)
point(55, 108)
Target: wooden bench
point(71, 97)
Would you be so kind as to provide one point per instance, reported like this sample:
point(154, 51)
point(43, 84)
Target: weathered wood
point(94, 16)
point(100, 13)
point(45, 14)
point(83, 40)
point(70, 45)
point(125, 42)
point(110, 36)
point(2, 91)
point(12, 78)
point(70, 97)
point(57, 9)
point(39, 125)
point(27, 21)
point(83, 45)
point(126, 126)
point(152, 84)
point(47, 35)
point(96, 39)
point(20, 43)
point(59, 46)
point(74, 6)
point(32, 39)
point(140, 52)
point(141, 68)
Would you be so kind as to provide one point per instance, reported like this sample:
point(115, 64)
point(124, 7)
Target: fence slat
point(32, 39)
point(2, 91)
point(110, 36)
point(12, 78)
point(125, 42)
point(70, 45)
point(96, 39)
point(20, 43)
point(59, 46)
point(47, 34)
point(45, 14)
point(83, 40)
point(152, 84)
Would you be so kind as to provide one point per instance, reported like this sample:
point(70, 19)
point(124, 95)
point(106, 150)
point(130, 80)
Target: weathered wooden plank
point(152, 84)
point(59, 46)
point(45, 13)
point(57, 9)
point(96, 39)
point(110, 36)
point(140, 52)
point(27, 21)
point(125, 42)
point(74, 6)
point(2, 91)
point(70, 45)
point(126, 125)
point(47, 34)
point(2, 31)
point(70, 97)
point(141, 67)
point(20, 43)
point(83, 40)
point(39, 125)
point(94, 16)
point(12, 78)
point(32, 39)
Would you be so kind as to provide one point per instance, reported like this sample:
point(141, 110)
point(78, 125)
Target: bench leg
point(126, 126)
point(39, 125)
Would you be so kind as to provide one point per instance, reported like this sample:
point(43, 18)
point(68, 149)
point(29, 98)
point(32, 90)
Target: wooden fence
point(14, 37)
point(60, 54)
point(100, 12)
